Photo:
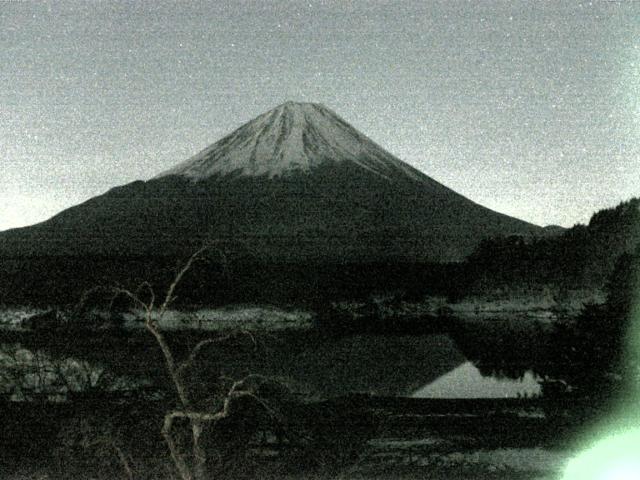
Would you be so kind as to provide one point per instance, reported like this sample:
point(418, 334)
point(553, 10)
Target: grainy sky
point(530, 108)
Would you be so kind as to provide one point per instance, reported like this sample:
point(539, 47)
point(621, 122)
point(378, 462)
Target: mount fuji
point(294, 137)
point(296, 184)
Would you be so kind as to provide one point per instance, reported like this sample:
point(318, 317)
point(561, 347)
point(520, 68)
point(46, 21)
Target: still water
point(427, 366)
point(466, 381)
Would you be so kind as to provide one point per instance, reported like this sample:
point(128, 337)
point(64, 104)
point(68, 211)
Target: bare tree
point(191, 466)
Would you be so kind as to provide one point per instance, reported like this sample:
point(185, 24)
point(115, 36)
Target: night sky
point(529, 108)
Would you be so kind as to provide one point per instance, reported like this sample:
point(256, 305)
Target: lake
point(426, 366)
point(466, 381)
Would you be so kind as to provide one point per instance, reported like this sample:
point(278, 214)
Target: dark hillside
point(582, 257)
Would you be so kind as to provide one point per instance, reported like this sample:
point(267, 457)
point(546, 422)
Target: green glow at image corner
point(617, 455)
point(615, 458)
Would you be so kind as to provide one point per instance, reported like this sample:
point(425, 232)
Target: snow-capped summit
point(293, 137)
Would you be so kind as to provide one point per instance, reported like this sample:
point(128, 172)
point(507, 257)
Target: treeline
point(62, 280)
point(583, 256)
point(595, 354)
point(598, 350)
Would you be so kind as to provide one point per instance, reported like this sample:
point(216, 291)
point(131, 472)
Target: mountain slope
point(293, 137)
point(296, 184)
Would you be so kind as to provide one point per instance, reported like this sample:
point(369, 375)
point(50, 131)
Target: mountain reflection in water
point(466, 381)
point(419, 366)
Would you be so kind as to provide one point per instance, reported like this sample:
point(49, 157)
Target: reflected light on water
point(466, 381)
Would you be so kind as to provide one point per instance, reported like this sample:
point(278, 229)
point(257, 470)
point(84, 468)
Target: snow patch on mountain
point(293, 137)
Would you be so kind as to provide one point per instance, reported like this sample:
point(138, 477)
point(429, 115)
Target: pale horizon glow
point(530, 109)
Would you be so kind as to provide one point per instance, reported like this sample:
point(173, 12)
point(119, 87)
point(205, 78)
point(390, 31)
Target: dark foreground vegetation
point(223, 405)
point(114, 439)
point(279, 431)
point(324, 439)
